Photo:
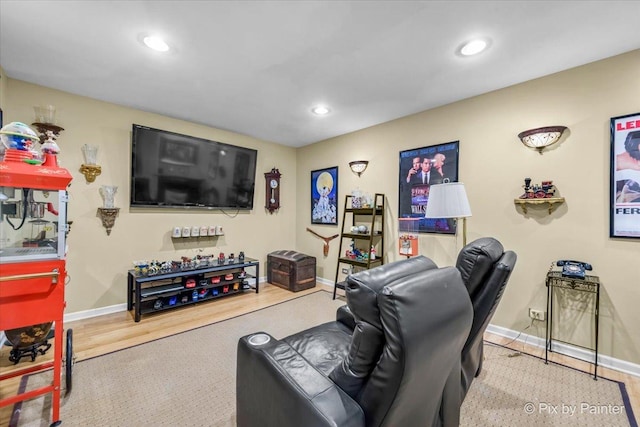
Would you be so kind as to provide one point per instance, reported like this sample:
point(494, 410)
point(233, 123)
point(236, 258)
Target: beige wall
point(98, 263)
point(493, 164)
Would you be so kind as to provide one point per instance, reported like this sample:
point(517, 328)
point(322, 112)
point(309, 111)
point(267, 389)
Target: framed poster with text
point(419, 169)
point(624, 219)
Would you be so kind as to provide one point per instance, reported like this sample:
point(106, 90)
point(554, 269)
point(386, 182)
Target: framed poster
point(324, 196)
point(419, 169)
point(624, 219)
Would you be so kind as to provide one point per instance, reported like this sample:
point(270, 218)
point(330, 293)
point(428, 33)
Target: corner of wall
point(3, 87)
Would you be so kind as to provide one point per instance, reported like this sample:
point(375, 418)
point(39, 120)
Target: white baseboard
point(95, 312)
point(569, 350)
point(324, 281)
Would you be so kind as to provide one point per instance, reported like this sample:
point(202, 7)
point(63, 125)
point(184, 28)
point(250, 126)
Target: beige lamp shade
point(448, 201)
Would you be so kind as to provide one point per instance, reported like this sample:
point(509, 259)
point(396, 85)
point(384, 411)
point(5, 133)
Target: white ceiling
point(257, 67)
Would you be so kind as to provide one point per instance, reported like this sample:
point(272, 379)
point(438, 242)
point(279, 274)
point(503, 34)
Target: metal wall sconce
point(90, 169)
point(108, 212)
point(108, 217)
point(45, 121)
point(358, 166)
point(541, 138)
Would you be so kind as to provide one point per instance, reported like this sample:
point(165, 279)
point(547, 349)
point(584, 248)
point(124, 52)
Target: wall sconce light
point(541, 138)
point(108, 217)
point(108, 212)
point(46, 121)
point(358, 166)
point(90, 169)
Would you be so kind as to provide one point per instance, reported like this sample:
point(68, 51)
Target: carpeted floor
point(189, 380)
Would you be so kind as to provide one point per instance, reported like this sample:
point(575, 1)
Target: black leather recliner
point(389, 360)
point(485, 269)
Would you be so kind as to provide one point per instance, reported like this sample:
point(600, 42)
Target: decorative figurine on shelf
point(538, 191)
point(141, 267)
point(353, 253)
point(221, 258)
point(241, 256)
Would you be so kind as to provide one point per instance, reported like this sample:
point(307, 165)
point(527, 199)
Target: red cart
point(33, 229)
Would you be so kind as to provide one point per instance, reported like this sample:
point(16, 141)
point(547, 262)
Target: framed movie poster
point(420, 168)
point(324, 196)
point(624, 219)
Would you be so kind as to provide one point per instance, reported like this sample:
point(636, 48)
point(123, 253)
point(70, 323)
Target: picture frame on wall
point(419, 169)
point(324, 196)
point(624, 218)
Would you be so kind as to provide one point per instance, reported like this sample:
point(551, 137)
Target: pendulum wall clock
point(272, 190)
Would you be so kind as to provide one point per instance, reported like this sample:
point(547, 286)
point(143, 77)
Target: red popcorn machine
point(33, 228)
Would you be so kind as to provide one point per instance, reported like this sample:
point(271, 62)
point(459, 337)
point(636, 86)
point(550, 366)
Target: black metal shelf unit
point(374, 236)
point(178, 288)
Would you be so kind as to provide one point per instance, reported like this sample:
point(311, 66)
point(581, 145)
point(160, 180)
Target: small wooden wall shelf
point(550, 201)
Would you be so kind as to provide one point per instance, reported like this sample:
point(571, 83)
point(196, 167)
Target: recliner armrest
point(345, 316)
point(276, 386)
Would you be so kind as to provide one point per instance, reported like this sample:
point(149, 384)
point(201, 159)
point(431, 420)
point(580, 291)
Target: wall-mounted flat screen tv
point(170, 170)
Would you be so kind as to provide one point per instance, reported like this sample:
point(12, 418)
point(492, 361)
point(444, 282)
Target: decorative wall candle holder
point(90, 168)
point(43, 128)
point(90, 172)
point(45, 114)
point(108, 217)
point(108, 193)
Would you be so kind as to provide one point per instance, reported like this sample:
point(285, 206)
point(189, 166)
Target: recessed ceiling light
point(320, 110)
point(156, 43)
point(473, 47)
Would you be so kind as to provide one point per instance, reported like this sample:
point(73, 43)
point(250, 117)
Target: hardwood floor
point(104, 334)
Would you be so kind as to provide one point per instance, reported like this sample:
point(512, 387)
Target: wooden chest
point(291, 270)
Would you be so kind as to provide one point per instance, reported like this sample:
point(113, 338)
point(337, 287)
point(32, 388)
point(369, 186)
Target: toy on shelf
point(544, 194)
point(545, 190)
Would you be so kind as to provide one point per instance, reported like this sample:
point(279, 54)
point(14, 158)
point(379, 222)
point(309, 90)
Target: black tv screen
point(173, 170)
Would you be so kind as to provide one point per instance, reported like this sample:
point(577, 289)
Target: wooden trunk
point(291, 270)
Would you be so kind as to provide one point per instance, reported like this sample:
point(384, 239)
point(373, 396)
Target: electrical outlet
point(536, 314)
point(345, 271)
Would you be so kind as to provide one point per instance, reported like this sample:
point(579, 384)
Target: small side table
point(590, 284)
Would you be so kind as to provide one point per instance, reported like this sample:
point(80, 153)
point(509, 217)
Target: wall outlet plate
point(537, 314)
